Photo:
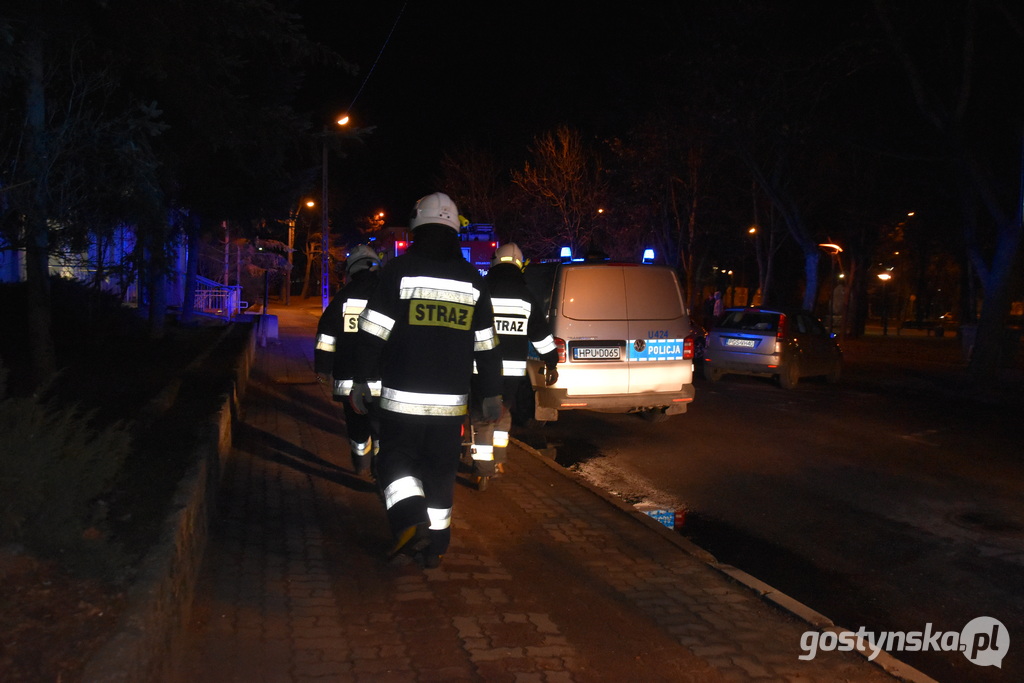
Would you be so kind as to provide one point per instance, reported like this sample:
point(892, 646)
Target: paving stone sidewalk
point(547, 580)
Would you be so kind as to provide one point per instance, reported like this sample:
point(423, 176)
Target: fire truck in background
point(478, 244)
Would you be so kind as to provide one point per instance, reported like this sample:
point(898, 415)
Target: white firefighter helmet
point(435, 208)
point(508, 253)
point(361, 258)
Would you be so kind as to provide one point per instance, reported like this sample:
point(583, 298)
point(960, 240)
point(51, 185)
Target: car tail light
point(688, 347)
point(780, 336)
point(560, 347)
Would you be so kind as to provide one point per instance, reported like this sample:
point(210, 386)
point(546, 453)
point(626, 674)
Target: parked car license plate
point(743, 343)
point(595, 353)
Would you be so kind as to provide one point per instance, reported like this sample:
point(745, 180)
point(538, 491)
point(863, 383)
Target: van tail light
point(688, 347)
point(560, 347)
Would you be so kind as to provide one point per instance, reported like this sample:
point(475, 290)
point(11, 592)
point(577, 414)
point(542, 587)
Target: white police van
point(623, 335)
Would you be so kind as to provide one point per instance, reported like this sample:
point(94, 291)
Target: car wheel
point(654, 415)
point(790, 375)
point(712, 373)
point(835, 373)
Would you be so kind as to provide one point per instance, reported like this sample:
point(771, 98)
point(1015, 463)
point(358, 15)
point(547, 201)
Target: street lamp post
point(885, 277)
point(834, 250)
point(292, 220)
point(325, 242)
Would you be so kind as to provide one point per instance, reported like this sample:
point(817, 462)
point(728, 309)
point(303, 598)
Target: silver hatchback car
point(772, 342)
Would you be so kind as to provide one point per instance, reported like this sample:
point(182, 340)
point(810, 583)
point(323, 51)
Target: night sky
point(498, 74)
point(452, 73)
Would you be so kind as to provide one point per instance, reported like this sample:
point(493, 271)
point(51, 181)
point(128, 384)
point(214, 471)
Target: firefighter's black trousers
point(362, 432)
point(416, 469)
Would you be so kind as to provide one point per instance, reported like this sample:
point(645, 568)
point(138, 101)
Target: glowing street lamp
point(325, 242)
point(835, 250)
point(292, 219)
point(885, 277)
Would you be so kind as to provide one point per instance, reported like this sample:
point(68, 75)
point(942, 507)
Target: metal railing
point(213, 298)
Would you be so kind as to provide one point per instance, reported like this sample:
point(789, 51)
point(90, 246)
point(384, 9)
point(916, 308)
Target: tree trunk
point(990, 345)
point(156, 271)
point(311, 255)
point(188, 306)
point(37, 243)
point(812, 257)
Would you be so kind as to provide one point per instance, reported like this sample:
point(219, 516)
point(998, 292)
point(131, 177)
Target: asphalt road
point(889, 501)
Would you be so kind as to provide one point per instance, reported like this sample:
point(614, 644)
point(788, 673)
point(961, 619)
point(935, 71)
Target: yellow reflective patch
point(440, 314)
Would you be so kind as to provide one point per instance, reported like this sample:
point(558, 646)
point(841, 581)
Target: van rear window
point(621, 293)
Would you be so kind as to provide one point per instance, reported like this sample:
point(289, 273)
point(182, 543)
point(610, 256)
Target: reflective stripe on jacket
point(421, 331)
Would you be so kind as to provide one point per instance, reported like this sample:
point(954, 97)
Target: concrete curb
point(159, 600)
point(815, 619)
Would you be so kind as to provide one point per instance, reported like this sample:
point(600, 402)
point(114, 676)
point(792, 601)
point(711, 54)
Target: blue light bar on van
point(565, 253)
point(648, 256)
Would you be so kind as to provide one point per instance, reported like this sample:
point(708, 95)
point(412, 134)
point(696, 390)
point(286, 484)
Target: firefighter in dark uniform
point(518, 321)
point(426, 324)
point(335, 343)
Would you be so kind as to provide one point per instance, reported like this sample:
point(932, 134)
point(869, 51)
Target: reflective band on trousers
point(483, 452)
point(485, 340)
point(415, 403)
point(545, 345)
point(377, 324)
point(438, 289)
point(513, 368)
point(400, 489)
point(440, 518)
point(511, 307)
point(500, 439)
point(325, 342)
point(343, 387)
point(359, 448)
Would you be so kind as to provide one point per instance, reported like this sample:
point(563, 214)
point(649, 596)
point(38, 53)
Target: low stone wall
point(160, 599)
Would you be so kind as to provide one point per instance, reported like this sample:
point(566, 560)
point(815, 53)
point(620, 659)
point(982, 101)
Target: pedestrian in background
point(518, 321)
point(427, 322)
point(335, 346)
point(719, 309)
point(708, 311)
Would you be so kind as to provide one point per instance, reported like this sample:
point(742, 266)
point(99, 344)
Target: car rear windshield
point(750, 321)
point(621, 293)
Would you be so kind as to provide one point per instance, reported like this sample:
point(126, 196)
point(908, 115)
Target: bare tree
point(565, 179)
point(472, 176)
point(991, 206)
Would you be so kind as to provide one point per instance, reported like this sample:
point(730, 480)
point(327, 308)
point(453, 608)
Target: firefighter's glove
point(550, 375)
point(360, 397)
point(491, 408)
